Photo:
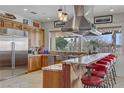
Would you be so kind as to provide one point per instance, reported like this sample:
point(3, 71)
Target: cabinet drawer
point(17, 25)
point(8, 24)
point(38, 62)
point(34, 63)
point(1, 23)
point(44, 61)
point(27, 28)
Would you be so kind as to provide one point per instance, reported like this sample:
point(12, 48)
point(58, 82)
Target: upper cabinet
point(35, 34)
point(1, 23)
point(6, 23)
point(26, 27)
point(36, 38)
point(17, 25)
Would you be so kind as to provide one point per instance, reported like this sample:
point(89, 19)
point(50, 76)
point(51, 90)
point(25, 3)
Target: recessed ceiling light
point(25, 9)
point(111, 10)
point(32, 12)
point(48, 18)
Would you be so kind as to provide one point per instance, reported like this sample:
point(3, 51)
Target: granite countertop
point(30, 55)
point(55, 67)
point(84, 60)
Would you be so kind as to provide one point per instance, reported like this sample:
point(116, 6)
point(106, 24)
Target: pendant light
point(62, 15)
point(60, 11)
point(65, 18)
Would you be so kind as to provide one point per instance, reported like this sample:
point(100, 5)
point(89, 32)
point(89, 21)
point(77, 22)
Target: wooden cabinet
point(35, 35)
point(53, 79)
point(1, 22)
point(8, 23)
point(31, 39)
point(39, 37)
point(44, 60)
point(27, 28)
point(34, 63)
point(17, 25)
point(36, 38)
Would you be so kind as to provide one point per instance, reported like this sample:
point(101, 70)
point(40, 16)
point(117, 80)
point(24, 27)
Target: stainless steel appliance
point(80, 24)
point(13, 53)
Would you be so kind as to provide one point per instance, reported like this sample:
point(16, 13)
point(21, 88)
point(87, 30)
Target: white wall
point(20, 18)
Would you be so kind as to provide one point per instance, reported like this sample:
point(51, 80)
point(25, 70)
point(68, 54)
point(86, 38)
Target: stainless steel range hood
point(79, 23)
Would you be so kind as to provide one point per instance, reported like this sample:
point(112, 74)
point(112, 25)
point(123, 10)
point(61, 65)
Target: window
point(67, 43)
point(100, 43)
point(106, 38)
point(118, 43)
point(118, 39)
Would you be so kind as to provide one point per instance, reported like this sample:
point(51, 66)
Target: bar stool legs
point(114, 70)
point(113, 76)
point(108, 81)
point(112, 83)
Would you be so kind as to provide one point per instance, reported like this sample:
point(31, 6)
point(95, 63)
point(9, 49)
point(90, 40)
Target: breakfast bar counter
point(84, 60)
point(64, 74)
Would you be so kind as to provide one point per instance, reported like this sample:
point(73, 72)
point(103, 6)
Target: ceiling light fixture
point(48, 18)
point(32, 12)
point(59, 13)
point(25, 9)
point(111, 10)
point(62, 15)
point(65, 17)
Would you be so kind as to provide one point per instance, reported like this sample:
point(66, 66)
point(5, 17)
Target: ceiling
point(43, 11)
point(49, 12)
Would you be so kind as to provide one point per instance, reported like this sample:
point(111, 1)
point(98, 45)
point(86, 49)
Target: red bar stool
point(102, 71)
point(112, 55)
point(108, 60)
point(103, 62)
point(112, 59)
point(92, 82)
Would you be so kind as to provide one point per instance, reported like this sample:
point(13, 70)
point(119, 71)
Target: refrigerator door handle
point(13, 55)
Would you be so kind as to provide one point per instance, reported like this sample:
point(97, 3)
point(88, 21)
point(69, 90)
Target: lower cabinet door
point(34, 63)
point(38, 62)
point(44, 61)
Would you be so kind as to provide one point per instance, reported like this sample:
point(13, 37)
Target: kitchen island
point(53, 76)
point(37, 61)
point(69, 71)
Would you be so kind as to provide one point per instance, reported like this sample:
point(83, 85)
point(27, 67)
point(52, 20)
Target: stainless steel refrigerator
point(13, 53)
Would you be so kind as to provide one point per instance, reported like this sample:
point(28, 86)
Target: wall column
point(120, 59)
point(52, 41)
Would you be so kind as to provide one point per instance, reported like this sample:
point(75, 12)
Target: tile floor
point(34, 80)
point(31, 80)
